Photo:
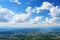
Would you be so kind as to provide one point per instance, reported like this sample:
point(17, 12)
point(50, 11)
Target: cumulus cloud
point(49, 21)
point(36, 20)
point(8, 17)
point(30, 10)
point(54, 12)
point(19, 18)
point(5, 14)
point(45, 6)
point(16, 1)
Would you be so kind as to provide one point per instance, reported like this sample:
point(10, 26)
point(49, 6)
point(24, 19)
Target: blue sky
point(24, 3)
point(29, 12)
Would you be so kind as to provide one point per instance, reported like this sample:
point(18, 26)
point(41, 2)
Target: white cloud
point(18, 18)
point(8, 17)
point(22, 17)
point(44, 6)
point(5, 14)
point(30, 10)
point(55, 12)
point(17, 1)
point(36, 20)
point(49, 21)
